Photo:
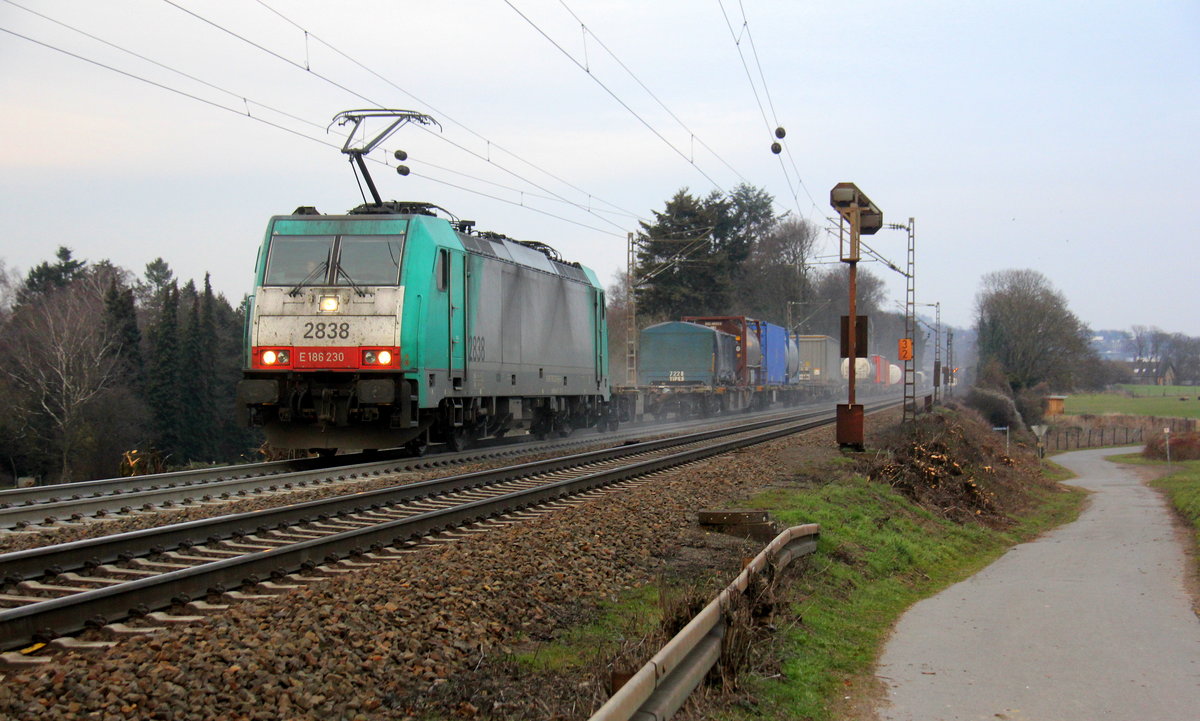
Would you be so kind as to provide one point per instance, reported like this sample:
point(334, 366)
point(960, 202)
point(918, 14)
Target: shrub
point(996, 407)
point(1031, 403)
point(1184, 447)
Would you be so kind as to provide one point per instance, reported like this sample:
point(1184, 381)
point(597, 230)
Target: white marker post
point(1167, 435)
point(1005, 429)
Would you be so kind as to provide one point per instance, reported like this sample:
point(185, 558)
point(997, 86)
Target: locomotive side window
point(443, 269)
point(369, 259)
point(299, 260)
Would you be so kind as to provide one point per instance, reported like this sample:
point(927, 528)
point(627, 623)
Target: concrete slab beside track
point(1092, 621)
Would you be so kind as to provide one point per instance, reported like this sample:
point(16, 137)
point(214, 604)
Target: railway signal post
point(864, 218)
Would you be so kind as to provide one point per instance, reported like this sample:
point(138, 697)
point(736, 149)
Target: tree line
point(732, 254)
point(99, 362)
point(1154, 351)
point(1030, 344)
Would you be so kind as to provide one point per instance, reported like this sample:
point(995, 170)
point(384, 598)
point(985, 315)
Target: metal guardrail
point(659, 688)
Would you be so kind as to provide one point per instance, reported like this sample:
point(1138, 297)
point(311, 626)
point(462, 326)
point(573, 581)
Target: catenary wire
point(442, 114)
point(771, 103)
point(156, 63)
point(766, 91)
point(614, 96)
point(588, 31)
point(375, 103)
point(292, 131)
point(264, 106)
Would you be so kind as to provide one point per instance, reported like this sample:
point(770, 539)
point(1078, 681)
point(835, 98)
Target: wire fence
point(1068, 438)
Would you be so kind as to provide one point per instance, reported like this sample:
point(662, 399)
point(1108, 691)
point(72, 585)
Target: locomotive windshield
point(357, 260)
point(299, 259)
point(369, 259)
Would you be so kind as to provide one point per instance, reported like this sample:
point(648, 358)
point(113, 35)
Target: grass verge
point(1183, 489)
point(879, 553)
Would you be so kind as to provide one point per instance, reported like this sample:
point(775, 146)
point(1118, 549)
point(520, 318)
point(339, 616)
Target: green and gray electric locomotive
point(392, 326)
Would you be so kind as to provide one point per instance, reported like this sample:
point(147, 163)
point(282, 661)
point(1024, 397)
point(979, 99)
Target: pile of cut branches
point(952, 463)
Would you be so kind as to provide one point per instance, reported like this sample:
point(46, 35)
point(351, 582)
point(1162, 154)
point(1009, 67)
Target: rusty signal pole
point(864, 218)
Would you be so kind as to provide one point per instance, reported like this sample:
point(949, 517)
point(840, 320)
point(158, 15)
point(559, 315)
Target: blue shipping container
point(774, 340)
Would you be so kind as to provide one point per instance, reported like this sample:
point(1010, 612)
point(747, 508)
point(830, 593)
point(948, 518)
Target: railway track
point(43, 507)
point(57, 590)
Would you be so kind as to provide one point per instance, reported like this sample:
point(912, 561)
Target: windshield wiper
point(295, 291)
point(339, 271)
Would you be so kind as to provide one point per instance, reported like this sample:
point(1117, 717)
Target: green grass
point(1055, 472)
point(878, 554)
point(634, 615)
point(1160, 391)
point(1168, 406)
point(1183, 488)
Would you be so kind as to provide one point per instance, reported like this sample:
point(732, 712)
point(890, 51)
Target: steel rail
point(69, 614)
point(10, 497)
point(23, 507)
point(36, 562)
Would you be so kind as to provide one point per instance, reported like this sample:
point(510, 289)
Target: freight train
point(703, 365)
point(393, 326)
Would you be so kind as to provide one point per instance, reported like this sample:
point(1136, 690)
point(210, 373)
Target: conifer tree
point(120, 317)
point(47, 277)
point(678, 258)
point(163, 384)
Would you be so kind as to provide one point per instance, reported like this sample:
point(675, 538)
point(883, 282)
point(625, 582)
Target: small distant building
point(1056, 405)
point(1153, 373)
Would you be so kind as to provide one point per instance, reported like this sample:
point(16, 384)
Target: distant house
point(1153, 373)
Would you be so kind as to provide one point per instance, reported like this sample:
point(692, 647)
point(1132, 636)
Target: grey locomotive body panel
point(532, 332)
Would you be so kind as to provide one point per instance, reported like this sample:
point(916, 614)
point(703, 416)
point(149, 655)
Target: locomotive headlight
point(329, 304)
point(385, 358)
point(370, 358)
point(275, 357)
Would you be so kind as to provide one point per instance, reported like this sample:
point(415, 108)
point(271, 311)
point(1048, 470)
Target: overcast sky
point(1058, 136)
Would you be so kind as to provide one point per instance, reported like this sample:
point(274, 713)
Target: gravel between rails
point(38, 536)
point(381, 642)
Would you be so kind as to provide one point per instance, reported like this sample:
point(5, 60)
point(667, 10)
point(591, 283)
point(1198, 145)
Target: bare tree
point(59, 359)
point(778, 272)
point(1024, 324)
point(618, 300)
point(1139, 341)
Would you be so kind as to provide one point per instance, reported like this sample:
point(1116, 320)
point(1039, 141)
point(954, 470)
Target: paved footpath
point(1090, 622)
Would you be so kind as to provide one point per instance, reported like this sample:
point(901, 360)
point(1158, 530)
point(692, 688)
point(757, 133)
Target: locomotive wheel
point(418, 446)
point(459, 439)
point(564, 427)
